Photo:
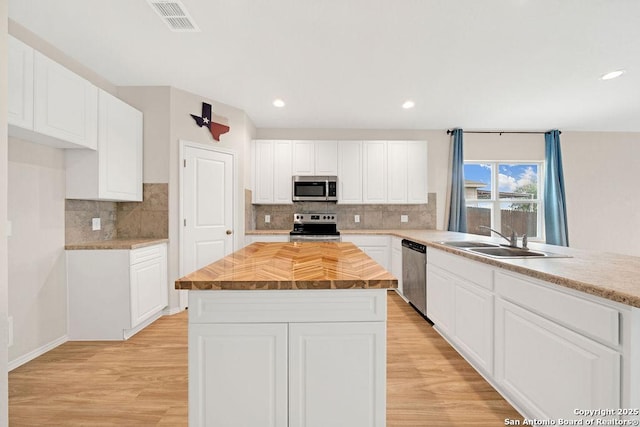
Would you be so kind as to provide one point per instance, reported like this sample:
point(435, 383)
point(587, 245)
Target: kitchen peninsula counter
point(604, 274)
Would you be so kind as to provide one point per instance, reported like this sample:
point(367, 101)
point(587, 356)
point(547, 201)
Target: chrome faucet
point(513, 240)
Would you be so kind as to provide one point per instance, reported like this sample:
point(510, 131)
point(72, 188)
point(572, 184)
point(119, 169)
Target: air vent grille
point(174, 14)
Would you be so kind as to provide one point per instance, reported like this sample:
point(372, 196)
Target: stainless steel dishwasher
point(414, 274)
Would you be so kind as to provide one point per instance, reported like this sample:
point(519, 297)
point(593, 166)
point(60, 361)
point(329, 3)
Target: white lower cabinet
point(277, 238)
point(287, 358)
point(473, 320)
point(113, 294)
point(440, 298)
point(335, 374)
point(396, 261)
point(460, 304)
point(241, 375)
point(547, 349)
point(550, 370)
point(377, 247)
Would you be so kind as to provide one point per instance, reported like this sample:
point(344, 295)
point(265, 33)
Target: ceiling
point(476, 64)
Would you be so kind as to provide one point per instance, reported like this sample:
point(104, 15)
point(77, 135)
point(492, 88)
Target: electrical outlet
point(267, 219)
point(356, 218)
point(95, 224)
point(404, 218)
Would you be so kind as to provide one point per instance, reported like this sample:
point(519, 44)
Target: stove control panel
point(315, 218)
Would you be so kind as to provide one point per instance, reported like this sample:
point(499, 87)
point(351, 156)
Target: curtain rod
point(449, 132)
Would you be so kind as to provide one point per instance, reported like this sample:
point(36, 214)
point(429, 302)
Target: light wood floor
point(143, 381)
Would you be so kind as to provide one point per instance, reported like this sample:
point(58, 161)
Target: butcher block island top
point(297, 265)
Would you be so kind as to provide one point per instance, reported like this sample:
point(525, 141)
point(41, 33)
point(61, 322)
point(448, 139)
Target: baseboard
point(36, 353)
point(171, 311)
point(128, 333)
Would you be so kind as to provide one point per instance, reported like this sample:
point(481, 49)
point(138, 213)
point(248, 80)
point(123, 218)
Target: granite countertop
point(612, 276)
point(114, 244)
point(299, 265)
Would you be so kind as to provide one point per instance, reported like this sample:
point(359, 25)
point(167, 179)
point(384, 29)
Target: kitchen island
point(288, 334)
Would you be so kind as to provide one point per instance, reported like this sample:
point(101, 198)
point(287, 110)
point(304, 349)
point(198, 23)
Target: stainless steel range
point(314, 227)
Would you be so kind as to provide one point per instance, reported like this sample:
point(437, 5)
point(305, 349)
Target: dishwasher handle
point(414, 246)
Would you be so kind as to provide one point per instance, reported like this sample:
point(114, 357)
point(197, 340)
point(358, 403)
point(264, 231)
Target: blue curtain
point(458, 208)
point(555, 209)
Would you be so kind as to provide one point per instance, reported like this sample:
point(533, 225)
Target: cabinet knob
point(229, 232)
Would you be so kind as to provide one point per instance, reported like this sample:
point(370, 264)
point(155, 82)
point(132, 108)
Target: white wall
point(4, 287)
point(483, 146)
point(601, 179)
point(183, 127)
point(154, 102)
point(37, 274)
point(37, 295)
point(167, 121)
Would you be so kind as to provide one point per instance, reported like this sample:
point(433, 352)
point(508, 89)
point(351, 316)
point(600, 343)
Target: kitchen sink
point(469, 244)
point(507, 252)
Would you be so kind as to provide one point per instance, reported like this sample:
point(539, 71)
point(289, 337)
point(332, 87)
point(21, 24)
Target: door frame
point(183, 144)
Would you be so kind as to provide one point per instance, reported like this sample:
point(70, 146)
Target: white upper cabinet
point(378, 172)
point(20, 96)
point(350, 172)
point(303, 158)
point(326, 157)
point(114, 171)
point(374, 178)
point(315, 158)
point(49, 104)
point(417, 191)
point(272, 172)
point(397, 172)
point(65, 104)
point(407, 172)
point(282, 172)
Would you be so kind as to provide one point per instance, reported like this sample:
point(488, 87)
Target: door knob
point(229, 232)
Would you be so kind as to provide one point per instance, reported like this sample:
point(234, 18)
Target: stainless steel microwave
point(314, 188)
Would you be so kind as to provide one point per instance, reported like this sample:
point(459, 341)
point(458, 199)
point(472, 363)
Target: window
point(506, 196)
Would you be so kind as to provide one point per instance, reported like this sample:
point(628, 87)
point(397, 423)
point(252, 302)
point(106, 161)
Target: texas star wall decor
point(216, 129)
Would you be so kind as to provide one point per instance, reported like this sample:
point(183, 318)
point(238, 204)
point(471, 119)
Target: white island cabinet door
point(337, 374)
point(238, 375)
point(550, 370)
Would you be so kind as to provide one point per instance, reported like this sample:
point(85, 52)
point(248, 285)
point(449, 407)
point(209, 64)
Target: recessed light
point(612, 75)
point(278, 103)
point(408, 104)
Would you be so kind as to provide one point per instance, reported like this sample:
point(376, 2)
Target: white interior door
point(207, 201)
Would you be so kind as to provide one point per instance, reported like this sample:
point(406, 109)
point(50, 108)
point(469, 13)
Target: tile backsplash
point(78, 215)
point(124, 220)
point(372, 216)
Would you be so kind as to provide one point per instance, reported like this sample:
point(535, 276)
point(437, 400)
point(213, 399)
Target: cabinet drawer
point(321, 305)
point(465, 268)
point(145, 254)
point(589, 318)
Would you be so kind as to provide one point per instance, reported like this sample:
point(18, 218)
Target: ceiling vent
point(174, 14)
